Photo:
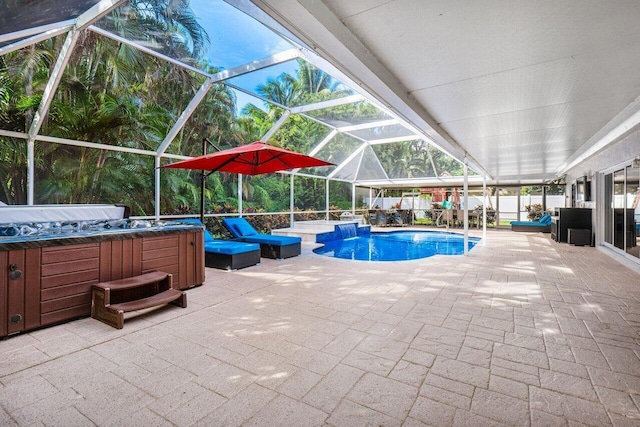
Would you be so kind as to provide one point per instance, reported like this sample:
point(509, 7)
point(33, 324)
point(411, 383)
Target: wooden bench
point(110, 300)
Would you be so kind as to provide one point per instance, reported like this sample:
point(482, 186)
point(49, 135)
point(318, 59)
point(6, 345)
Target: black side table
point(579, 236)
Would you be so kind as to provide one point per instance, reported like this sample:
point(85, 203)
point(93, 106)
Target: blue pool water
point(396, 246)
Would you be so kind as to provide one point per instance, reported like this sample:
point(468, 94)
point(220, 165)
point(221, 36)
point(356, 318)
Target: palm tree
point(282, 89)
point(314, 80)
point(23, 76)
point(168, 26)
point(13, 160)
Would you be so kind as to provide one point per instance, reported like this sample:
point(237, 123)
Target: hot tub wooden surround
point(49, 281)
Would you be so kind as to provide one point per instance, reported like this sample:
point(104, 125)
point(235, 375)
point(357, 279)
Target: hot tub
point(49, 267)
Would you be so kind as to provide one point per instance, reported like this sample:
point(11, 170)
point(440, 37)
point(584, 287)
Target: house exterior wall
point(617, 154)
point(623, 151)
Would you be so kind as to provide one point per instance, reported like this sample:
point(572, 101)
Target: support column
point(31, 167)
point(157, 188)
point(413, 207)
point(291, 202)
point(326, 204)
point(497, 207)
point(353, 199)
point(465, 192)
point(240, 195)
point(484, 207)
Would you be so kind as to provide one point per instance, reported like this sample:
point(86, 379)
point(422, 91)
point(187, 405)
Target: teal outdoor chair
point(543, 225)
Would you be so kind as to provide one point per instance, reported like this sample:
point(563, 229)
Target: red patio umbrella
point(252, 159)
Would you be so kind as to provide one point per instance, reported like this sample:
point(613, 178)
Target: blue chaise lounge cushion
point(229, 248)
point(544, 221)
point(529, 223)
point(241, 229)
point(219, 246)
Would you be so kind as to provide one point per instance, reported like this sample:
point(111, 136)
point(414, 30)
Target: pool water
point(397, 246)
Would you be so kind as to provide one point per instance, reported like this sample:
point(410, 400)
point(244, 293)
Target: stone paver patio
point(524, 331)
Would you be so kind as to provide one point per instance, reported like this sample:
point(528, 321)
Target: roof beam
point(63, 28)
point(275, 59)
point(177, 126)
point(341, 166)
point(12, 134)
point(395, 139)
point(107, 147)
point(369, 125)
point(217, 78)
point(54, 80)
point(283, 118)
point(278, 58)
point(324, 142)
point(319, 147)
point(328, 104)
point(420, 182)
point(360, 160)
point(145, 49)
point(18, 35)
point(96, 12)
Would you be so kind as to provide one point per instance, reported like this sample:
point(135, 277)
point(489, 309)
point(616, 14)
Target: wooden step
point(110, 300)
point(164, 297)
point(133, 282)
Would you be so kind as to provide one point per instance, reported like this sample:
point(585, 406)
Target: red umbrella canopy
point(252, 159)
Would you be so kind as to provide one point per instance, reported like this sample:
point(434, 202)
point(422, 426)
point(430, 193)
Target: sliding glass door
point(633, 211)
point(618, 209)
point(608, 208)
point(621, 209)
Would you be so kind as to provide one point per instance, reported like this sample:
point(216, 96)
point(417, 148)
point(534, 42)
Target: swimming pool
point(396, 246)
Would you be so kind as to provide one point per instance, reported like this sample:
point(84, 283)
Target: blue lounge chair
point(271, 246)
point(226, 254)
point(543, 225)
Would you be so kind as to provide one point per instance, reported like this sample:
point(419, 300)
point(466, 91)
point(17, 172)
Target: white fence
point(509, 207)
point(507, 203)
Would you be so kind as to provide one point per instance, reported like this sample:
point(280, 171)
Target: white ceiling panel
point(587, 114)
point(456, 40)
point(550, 83)
point(528, 163)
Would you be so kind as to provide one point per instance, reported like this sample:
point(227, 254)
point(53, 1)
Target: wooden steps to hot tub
point(110, 300)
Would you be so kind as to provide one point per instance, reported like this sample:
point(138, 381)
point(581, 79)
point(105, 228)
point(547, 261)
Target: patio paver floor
point(524, 331)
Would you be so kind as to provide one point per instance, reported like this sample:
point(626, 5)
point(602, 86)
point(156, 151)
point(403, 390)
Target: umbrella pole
point(202, 184)
point(203, 177)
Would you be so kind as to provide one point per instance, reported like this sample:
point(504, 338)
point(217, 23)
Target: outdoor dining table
point(457, 216)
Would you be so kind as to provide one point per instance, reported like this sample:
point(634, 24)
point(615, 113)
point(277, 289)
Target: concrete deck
point(524, 331)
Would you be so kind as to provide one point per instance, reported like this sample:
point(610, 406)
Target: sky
point(237, 39)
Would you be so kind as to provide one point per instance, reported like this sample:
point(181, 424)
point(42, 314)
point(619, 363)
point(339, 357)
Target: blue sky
point(237, 39)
